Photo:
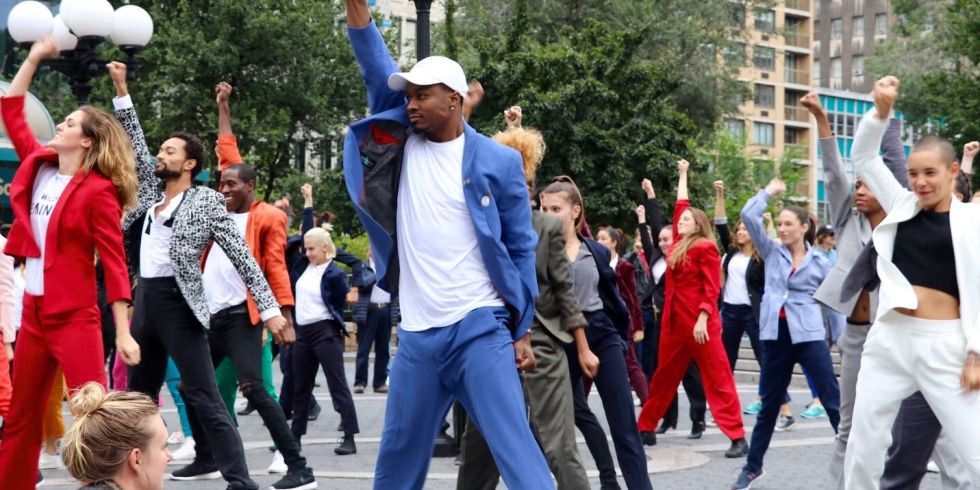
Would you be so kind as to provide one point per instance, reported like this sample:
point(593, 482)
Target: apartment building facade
point(845, 34)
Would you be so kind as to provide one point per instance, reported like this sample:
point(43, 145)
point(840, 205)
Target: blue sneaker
point(745, 479)
point(814, 412)
point(753, 409)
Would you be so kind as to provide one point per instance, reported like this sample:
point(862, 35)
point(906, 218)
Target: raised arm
point(839, 196)
point(373, 58)
point(682, 199)
point(149, 184)
point(227, 149)
point(654, 217)
point(18, 130)
point(651, 252)
point(970, 151)
point(752, 216)
point(893, 152)
point(307, 191)
point(721, 218)
point(864, 152)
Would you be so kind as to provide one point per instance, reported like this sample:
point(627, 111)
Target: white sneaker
point(932, 467)
point(240, 403)
point(636, 401)
point(185, 452)
point(278, 464)
point(176, 438)
point(49, 461)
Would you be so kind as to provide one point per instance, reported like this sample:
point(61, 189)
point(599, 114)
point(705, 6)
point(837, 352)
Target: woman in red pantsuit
point(67, 198)
point(691, 326)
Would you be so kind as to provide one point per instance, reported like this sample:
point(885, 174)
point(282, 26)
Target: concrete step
point(747, 368)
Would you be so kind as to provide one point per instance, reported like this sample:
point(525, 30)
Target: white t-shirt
point(48, 187)
point(443, 276)
point(658, 269)
point(223, 286)
point(309, 301)
point(155, 246)
point(736, 289)
point(378, 295)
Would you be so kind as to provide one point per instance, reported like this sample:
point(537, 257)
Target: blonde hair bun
point(86, 400)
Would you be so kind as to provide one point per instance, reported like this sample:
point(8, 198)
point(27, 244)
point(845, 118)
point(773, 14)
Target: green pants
point(227, 379)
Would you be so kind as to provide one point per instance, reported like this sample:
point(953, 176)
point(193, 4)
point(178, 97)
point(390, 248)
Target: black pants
point(321, 343)
point(612, 383)
point(693, 386)
point(164, 325)
point(286, 390)
point(646, 349)
point(233, 335)
point(376, 331)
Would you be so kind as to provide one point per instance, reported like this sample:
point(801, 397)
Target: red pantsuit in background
point(693, 286)
point(63, 326)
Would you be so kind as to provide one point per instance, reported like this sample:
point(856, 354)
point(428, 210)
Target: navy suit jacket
point(493, 186)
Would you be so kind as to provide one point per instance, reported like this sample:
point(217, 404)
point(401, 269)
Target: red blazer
point(265, 234)
point(693, 285)
point(626, 282)
point(85, 220)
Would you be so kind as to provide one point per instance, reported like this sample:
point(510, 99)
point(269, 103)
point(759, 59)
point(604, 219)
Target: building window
point(836, 68)
point(881, 25)
point(734, 53)
point(816, 73)
point(837, 29)
point(765, 96)
point(857, 66)
point(765, 21)
point(858, 28)
point(735, 127)
point(301, 156)
point(736, 12)
point(764, 58)
point(764, 133)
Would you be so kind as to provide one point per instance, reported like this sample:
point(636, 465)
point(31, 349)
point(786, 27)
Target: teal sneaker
point(813, 412)
point(753, 409)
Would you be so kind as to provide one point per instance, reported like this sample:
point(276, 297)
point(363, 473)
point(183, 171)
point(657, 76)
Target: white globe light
point(66, 40)
point(91, 18)
point(132, 26)
point(29, 21)
point(65, 8)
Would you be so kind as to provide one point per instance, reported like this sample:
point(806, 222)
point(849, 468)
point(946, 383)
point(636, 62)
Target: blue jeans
point(779, 357)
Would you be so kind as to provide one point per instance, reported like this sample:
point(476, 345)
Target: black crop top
point(924, 252)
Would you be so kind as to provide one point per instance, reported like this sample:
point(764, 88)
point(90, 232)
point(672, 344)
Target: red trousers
point(6, 388)
point(72, 340)
point(677, 350)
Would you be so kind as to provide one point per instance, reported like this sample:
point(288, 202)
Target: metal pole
point(422, 37)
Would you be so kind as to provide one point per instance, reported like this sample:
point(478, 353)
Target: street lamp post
point(80, 30)
point(422, 30)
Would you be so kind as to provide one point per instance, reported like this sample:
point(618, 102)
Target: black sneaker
point(314, 413)
point(346, 446)
point(649, 438)
point(300, 479)
point(237, 485)
point(745, 480)
point(738, 449)
point(249, 408)
point(197, 471)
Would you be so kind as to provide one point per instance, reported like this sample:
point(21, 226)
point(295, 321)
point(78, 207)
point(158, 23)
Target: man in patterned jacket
point(166, 238)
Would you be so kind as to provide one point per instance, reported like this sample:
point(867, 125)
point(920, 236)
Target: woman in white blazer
point(926, 335)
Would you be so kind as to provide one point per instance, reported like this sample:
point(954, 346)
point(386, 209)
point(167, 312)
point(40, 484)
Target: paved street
point(797, 459)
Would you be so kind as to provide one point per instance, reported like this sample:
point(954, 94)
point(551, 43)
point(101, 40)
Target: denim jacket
point(793, 292)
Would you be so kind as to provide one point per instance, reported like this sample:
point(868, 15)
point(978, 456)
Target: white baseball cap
point(431, 71)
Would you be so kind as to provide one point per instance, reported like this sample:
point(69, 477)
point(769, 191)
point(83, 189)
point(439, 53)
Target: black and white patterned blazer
point(199, 220)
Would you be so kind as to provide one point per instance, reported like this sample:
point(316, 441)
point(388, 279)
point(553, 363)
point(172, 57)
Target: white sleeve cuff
point(265, 315)
point(121, 103)
point(721, 221)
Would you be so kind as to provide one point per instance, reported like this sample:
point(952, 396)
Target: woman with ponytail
point(67, 198)
point(594, 285)
point(691, 326)
point(117, 440)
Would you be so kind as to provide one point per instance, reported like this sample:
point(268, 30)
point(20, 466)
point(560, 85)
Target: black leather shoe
point(249, 408)
point(738, 449)
point(664, 428)
point(314, 412)
point(649, 438)
point(696, 430)
point(346, 446)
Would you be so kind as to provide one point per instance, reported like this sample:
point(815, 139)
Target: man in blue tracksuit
point(446, 211)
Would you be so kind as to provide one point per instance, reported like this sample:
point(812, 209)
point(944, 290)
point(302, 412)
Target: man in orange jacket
point(235, 332)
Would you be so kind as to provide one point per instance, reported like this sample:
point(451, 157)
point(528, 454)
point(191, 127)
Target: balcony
point(803, 5)
point(797, 39)
point(796, 113)
point(800, 77)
